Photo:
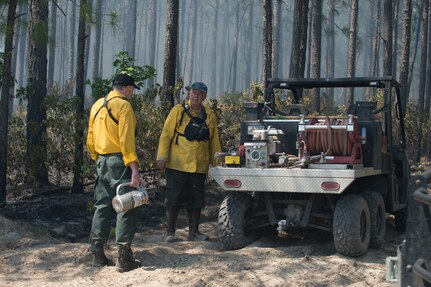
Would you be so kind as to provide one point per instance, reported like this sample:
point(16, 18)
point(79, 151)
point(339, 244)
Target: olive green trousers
point(111, 172)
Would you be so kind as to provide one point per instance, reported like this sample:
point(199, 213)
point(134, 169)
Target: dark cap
point(124, 80)
point(199, 86)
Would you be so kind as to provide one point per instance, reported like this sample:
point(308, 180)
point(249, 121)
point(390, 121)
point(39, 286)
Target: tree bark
point(351, 61)
point(77, 186)
point(37, 79)
point(376, 41)
point(72, 46)
point(51, 49)
point(426, 113)
point(316, 41)
point(152, 41)
point(267, 40)
point(422, 80)
point(276, 41)
point(330, 51)
point(97, 40)
point(415, 50)
point(405, 52)
point(215, 49)
point(170, 57)
point(249, 46)
point(131, 32)
point(188, 73)
point(387, 37)
point(395, 13)
point(299, 39)
point(22, 46)
point(6, 82)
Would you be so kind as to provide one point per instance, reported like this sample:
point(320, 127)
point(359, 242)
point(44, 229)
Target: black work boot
point(194, 234)
point(171, 220)
point(99, 258)
point(126, 262)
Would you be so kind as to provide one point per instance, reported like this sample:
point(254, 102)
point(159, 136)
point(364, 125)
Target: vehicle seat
point(296, 110)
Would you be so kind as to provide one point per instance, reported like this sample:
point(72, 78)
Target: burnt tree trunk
point(6, 82)
point(170, 57)
point(79, 111)
point(37, 79)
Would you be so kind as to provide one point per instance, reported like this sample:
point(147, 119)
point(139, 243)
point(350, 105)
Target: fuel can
point(129, 200)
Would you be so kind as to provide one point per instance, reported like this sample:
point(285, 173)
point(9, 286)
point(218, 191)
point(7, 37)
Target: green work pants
point(111, 172)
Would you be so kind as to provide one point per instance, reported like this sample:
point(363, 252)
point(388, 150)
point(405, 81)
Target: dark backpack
point(196, 129)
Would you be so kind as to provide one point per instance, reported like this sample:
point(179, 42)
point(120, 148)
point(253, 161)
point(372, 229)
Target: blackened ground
point(68, 216)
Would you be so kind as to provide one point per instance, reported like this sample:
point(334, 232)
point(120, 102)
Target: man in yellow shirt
point(187, 145)
point(111, 143)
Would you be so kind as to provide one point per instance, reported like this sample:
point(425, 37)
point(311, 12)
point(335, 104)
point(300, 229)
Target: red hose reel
point(338, 139)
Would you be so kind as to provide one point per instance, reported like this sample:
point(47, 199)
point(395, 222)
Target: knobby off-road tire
point(351, 225)
point(232, 219)
point(376, 206)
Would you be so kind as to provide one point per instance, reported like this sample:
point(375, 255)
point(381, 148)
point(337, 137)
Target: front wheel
point(376, 205)
point(351, 225)
point(234, 211)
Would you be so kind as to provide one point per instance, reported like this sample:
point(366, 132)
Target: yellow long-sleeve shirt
point(105, 136)
point(184, 155)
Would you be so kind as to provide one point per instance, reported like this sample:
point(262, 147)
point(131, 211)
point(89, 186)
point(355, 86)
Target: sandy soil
point(32, 257)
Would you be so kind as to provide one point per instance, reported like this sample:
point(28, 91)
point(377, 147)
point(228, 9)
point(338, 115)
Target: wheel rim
point(363, 226)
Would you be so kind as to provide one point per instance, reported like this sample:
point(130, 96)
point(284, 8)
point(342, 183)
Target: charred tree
point(351, 58)
point(405, 52)
point(37, 80)
point(6, 82)
point(79, 109)
point(387, 37)
point(170, 56)
point(316, 41)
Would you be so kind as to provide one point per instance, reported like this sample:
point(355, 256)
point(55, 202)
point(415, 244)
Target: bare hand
point(136, 179)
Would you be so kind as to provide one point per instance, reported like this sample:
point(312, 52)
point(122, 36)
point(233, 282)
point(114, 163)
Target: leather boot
point(194, 234)
point(99, 258)
point(126, 262)
point(171, 220)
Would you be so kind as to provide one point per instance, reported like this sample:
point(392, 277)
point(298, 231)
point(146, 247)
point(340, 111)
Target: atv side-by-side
point(340, 174)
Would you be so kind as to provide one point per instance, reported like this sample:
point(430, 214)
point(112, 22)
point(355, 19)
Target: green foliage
point(40, 32)
point(150, 124)
point(113, 21)
point(124, 64)
point(411, 126)
point(16, 151)
point(61, 118)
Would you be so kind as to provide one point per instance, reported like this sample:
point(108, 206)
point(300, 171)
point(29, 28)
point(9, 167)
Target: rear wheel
point(351, 225)
point(233, 231)
point(376, 205)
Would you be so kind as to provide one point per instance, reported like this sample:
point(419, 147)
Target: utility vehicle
point(337, 173)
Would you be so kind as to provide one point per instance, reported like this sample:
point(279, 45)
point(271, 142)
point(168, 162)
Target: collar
point(115, 94)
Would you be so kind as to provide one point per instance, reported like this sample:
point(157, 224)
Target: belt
point(119, 154)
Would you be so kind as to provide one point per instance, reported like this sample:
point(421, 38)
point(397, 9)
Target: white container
point(129, 200)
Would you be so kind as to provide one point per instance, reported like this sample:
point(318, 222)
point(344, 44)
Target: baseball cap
point(199, 86)
point(124, 80)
